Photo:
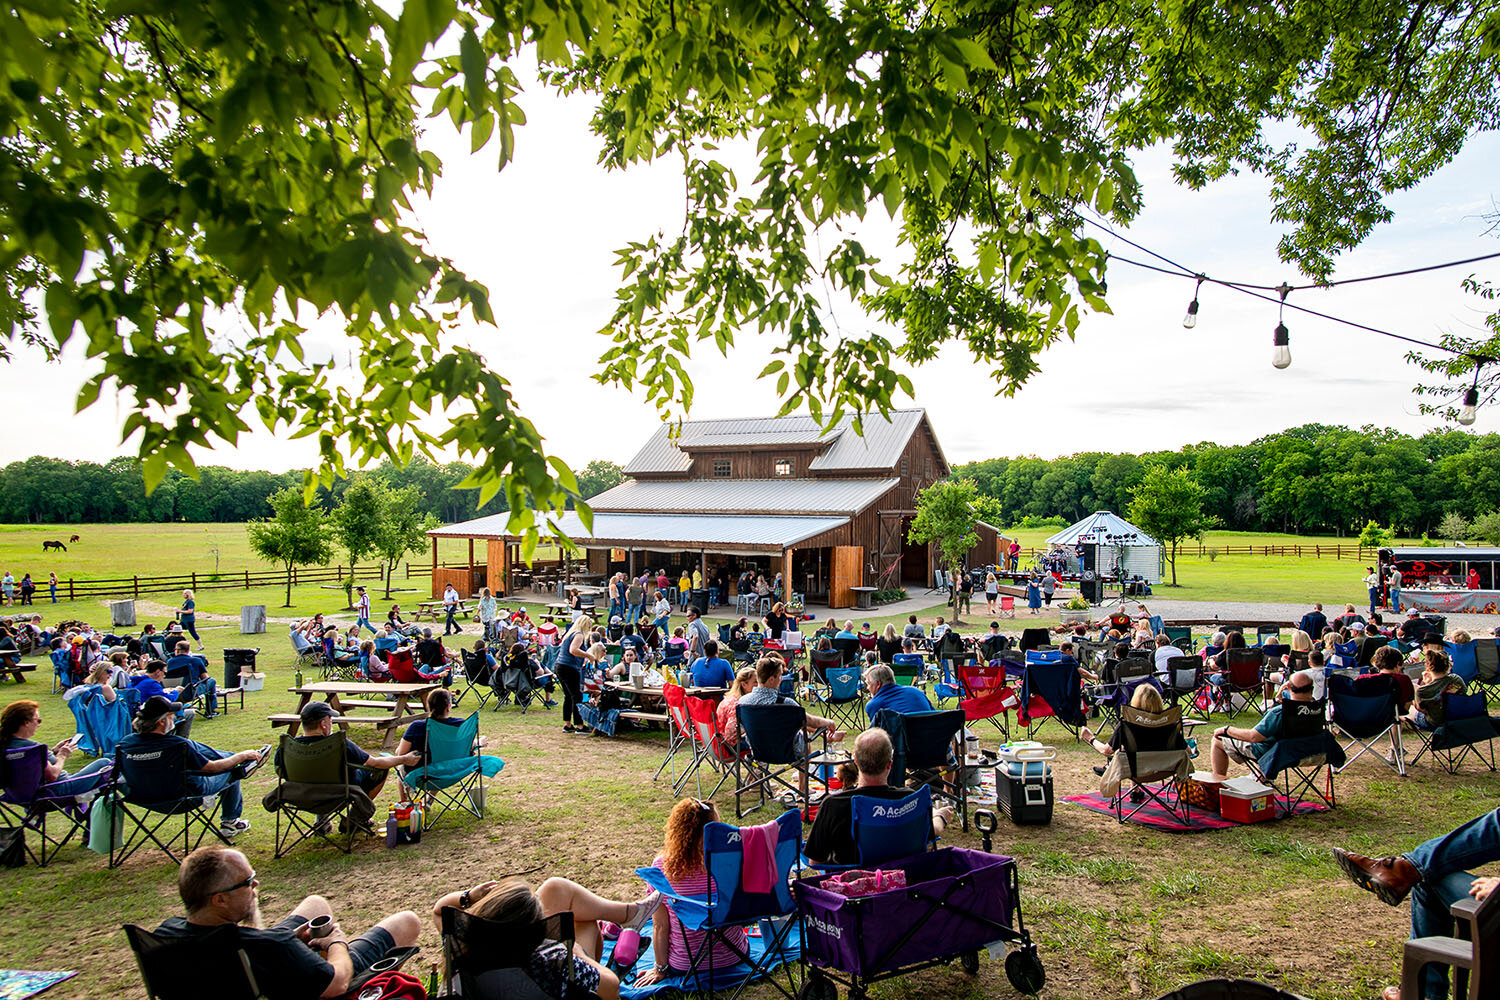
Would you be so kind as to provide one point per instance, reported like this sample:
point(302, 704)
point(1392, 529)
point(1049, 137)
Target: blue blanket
point(723, 979)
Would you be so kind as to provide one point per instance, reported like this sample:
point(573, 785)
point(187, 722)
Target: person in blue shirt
point(880, 683)
point(1249, 745)
point(150, 684)
point(710, 670)
point(629, 638)
point(847, 632)
point(195, 669)
point(1314, 622)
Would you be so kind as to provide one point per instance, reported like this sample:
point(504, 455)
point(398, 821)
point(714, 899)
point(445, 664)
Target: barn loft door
point(498, 565)
point(848, 572)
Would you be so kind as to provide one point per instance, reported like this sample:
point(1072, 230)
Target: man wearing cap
point(1413, 628)
point(183, 663)
point(362, 611)
point(218, 773)
point(368, 772)
point(150, 686)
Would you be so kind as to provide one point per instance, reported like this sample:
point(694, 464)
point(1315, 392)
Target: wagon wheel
point(818, 987)
point(1024, 970)
point(970, 962)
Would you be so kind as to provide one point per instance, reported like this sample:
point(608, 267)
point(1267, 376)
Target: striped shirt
point(685, 943)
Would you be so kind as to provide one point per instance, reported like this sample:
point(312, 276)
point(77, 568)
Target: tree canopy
point(946, 515)
point(1168, 503)
point(187, 184)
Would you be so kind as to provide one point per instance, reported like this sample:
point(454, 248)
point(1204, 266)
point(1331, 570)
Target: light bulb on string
point(1191, 319)
point(1281, 341)
point(1469, 412)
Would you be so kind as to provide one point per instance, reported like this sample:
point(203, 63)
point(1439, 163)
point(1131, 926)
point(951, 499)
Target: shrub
point(1034, 521)
point(1212, 552)
point(890, 595)
point(1374, 536)
point(1076, 604)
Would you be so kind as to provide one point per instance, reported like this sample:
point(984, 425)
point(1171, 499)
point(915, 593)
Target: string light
point(1281, 341)
point(1191, 319)
point(1469, 411)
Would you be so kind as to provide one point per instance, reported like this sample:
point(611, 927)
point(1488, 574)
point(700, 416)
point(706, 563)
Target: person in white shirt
point(362, 612)
point(661, 613)
point(450, 606)
point(1164, 652)
point(1372, 583)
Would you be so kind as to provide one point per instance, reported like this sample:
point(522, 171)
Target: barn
point(828, 510)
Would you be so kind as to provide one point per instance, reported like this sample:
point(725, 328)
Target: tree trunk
point(288, 586)
point(1173, 561)
point(390, 568)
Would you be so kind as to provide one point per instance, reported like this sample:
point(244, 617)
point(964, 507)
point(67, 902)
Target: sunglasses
point(247, 883)
point(704, 806)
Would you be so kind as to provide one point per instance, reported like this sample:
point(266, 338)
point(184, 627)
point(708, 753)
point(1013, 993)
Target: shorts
point(364, 951)
point(368, 779)
point(1240, 750)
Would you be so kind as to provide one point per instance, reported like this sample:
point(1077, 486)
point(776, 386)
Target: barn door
point(848, 571)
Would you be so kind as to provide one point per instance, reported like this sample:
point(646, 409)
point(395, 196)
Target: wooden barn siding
point(746, 464)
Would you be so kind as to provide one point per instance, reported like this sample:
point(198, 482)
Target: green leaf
point(476, 71)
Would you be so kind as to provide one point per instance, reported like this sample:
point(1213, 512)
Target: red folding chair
point(1007, 606)
point(403, 667)
point(710, 739)
point(986, 695)
point(680, 736)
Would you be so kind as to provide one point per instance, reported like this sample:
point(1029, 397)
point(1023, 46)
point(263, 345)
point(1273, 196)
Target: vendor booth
point(1109, 547)
point(1445, 580)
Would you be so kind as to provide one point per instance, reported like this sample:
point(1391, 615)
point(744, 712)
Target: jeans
point(189, 625)
point(365, 623)
point(225, 784)
point(632, 614)
point(714, 598)
point(451, 625)
point(1443, 862)
point(52, 589)
point(1374, 599)
point(1395, 598)
point(184, 726)
point(211, 694)
point(87, 779)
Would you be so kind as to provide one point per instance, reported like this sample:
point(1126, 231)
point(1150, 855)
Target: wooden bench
point(362, 703)
point(644, 717)
point(16, 671)
point(288, 719)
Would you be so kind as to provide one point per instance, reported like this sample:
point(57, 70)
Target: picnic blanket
point(723, 979)
point(18, 984)
point(1154, 816)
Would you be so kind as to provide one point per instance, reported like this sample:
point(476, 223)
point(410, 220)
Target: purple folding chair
point(26, 800)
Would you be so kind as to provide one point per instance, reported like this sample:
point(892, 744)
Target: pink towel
point(758, 861)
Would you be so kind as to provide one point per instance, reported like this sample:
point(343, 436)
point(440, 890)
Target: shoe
point(1389, 878)
point(549, 703)
point(569, 729)
point(1136, 795)
point(255, 765)
point(233, 828)
point(644, 908)
point(324, 829)
point(1099, 770)
point(210, 715)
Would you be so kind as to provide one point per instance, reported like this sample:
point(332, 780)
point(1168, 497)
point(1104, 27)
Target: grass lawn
point(1118, 911)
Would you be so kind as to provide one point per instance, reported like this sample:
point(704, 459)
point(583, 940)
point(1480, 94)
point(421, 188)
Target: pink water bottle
point(627, 949)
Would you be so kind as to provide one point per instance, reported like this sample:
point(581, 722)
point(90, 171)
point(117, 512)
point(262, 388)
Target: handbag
point(859, 882)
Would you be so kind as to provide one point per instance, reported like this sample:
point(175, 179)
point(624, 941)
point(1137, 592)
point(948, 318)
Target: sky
point(541, 234)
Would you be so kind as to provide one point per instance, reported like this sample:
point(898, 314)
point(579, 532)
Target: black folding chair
point(1183, 682)
point(1302, 722)
point(848, 650)
point(1467, 730)
point(148, 791)
point(480, 675)
point(1243, 676)
point(1156, 760)
point(772, 732)
point(490, 959)
point(929, 748)
point(312, 790)
point(188, 968)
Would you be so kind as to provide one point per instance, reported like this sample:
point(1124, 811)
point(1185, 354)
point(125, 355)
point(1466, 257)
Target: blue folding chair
point(728, 904)
point(887, 829)
point(1365, 709)
point(844, 697)
point(1345, 656)
point(1466, 728)
point(453, 770)
point(1464, 659)
point(62, 669)
point(102, 724)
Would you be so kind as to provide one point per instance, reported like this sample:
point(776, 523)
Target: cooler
point(1246, 800)
point(1023, 789)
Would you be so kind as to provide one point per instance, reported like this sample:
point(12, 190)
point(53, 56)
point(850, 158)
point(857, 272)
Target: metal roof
point(1093, 529)
point(880, 448)
point(744, 496)
point(663, 530)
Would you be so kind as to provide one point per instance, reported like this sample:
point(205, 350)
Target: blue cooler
point(1023, 789)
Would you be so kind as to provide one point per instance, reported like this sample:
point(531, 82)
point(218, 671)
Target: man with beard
point(218, 887)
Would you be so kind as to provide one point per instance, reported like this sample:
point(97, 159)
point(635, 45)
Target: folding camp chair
point(1034, 638)
point(479, 675)
point(1467, 727)
point(27, 800)
point(1344, 656)
point(776, 751)
point(62, 669)
point(986, 695)
point(1182, 683)
point(402, 663)
point(149, 790)
point(313, 788)
point(1007, 606)
point(1487, 669)
point(1264, 632)
point(885, 829)
point(1155, 756)
point(1464, 660)
point(1242, 676)
point(1051, 689)
point(1365, 710)
point(1117, 687)
point(738, 896)
point(489, 959)
point(177, 968)
point(711, 746)
point(910, 669)
point(1180, 635)
point(848, 650)
point(682, 737)
point(453, 770)
point(102, 723)
point(845, 697)
point(929, 748)
point(820, 663)
point(1304, 752)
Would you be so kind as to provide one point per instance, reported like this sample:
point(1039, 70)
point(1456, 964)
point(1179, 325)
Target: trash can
point(235, 661)
point(699, 598)
point(122, 613)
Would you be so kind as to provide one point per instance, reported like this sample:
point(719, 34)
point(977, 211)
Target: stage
point(1452, 600)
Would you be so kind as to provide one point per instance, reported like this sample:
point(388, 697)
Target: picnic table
point(649, 704)
point(346, 696)
point(432, 609)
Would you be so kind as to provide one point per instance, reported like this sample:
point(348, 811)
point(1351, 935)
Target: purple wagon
point(956, 901)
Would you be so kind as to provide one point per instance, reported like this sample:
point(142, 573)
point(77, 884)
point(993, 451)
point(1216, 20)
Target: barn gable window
point(721, 468)
point(784, 467)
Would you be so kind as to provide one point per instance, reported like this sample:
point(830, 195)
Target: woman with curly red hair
point(681, 860)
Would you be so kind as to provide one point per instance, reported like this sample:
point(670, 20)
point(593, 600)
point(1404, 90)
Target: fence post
point(247, 579)
point(70, 589)
point(137, 585)
point(195, 579)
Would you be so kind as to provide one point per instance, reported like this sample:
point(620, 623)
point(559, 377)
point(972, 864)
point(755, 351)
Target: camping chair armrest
point(1464, 911)
point(691, 911)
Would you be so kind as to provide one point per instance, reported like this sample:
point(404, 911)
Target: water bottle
point(627, 949)
point(299, 678)
point(432, 980)
point(390, 826)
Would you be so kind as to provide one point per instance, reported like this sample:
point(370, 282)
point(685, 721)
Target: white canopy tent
point(1113, 544)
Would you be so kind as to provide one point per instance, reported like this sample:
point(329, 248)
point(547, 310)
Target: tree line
point(46, 490)
point(1313, 479)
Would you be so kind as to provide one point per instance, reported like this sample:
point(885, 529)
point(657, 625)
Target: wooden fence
point(135, 586)
point(1299, 551)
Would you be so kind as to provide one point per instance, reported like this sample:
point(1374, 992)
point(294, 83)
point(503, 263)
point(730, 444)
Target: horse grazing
point(73, 539)
point(49, 546)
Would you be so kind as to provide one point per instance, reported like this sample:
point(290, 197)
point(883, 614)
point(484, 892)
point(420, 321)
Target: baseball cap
point(1412, 613)
point(1357, 626)
point(157, 705)
point(315, 711)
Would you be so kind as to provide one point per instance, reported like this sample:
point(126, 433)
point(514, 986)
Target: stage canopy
point(1107, 543)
